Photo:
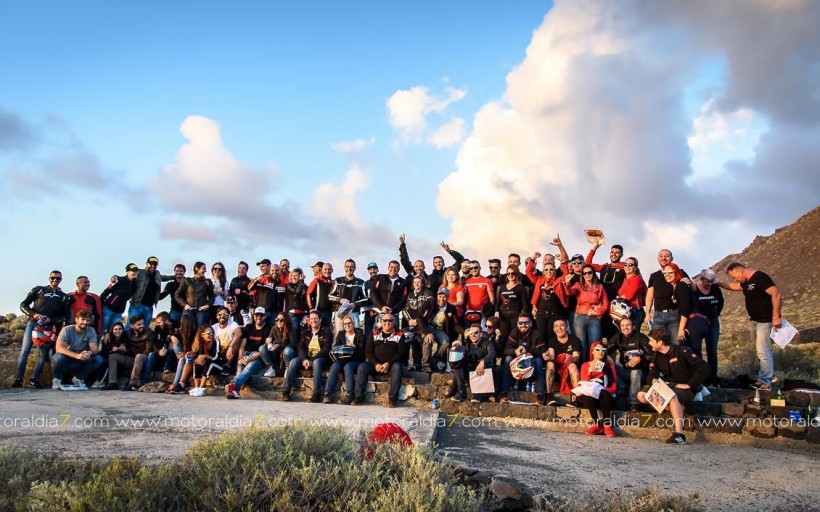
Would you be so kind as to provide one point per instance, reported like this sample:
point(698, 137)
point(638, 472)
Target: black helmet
point(456, 356)
point(343, 353)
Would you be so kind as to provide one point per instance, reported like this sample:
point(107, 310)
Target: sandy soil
point(561, 464)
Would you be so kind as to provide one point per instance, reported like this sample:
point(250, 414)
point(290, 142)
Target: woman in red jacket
point(633, 291)
point(592, 304)
point(601, 370)
point(549, 302)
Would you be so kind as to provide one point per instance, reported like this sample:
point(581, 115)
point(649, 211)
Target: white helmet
point(619, 309)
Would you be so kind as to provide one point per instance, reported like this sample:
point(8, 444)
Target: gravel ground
point(562, 464)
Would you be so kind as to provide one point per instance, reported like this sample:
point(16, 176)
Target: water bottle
point(435, 403)
point(757, 397)
point(189, 357)
point(529, 387)
point(41, 322)
point(246, 317)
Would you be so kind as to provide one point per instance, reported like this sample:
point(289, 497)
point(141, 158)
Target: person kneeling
point(684, 371)
point(478, 356)
point(601, 371)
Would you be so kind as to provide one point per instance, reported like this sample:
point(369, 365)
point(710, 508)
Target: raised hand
point(401, 238)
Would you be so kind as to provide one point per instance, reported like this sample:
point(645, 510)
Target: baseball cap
point(132, 267)
point(318, 264)
point(266, 261)
point(230, 299)
point(259, 311)
point(444, 291)
point(153, 260)
point(372, 264)
point(577, 257)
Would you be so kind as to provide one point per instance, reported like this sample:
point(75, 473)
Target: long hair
point(110, 333)
point(284, 331)
point(198, 345)
point(222, 279)
point(187, 332)
point(458, 277)
point(594, 282)
point(637, 266)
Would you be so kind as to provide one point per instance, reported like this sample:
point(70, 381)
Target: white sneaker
point(55, 384)
point(270, 372)
point(79, 384)
point(98, 385)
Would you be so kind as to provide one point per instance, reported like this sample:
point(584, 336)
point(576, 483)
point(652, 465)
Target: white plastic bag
point(197, 392)
point(588, 388)
point(784, 335)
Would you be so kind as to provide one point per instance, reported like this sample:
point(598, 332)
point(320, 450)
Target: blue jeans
point(255, 367)
point(167, 362)
point(176, 316)
point(669, 321)
point(588, 330)
point(146, 312)
point(712, 337)
point(760, 332)
point(202, 317)
point(369, 322)
point(295, 363)
point(698, 329)
point(366, 369)
point(81, 369)
point(295, 327)
point(45, 353)
point(631, 376)
point(109, 318)
point(349, 370)
point(538, 374)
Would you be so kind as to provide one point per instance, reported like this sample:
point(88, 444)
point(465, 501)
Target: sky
point(203, 131)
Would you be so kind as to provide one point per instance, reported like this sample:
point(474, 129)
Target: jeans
point(712, 337)
point(295, 328)
point(109, 318)
point(176, 316)
point(366, 369)
point(349, 370)
point(146, 312)
point(668, 320)
point(698, 329)
point(167, 362)
point(461, 376)
point(45, 353)
point(202, 317)
point(631, 376)
point(61, 363)
point(588, 330)
point(760, 332)
point(369, 322)
point(255, 367)
point(538, 374)
point(271, 358)
point(318, 365)
point(441, 339)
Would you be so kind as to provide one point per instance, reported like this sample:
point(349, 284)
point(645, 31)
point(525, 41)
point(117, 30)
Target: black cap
point(132, 267)
point(153, 260)
point(318, 264)
point(266, 261)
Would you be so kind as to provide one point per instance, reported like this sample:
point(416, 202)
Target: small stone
point(154, 387)
point(505, 489)
point(497, 410)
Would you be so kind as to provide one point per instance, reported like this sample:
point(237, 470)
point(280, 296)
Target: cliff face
point(790, 256)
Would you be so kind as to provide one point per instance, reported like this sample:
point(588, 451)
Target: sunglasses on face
point(629, 264)
point(578, 262)
point(524, 323)
point(587, 273)
point(208, 333)
point(55, 278)
point(549, 270)
point(280, 320)
point(669, 272)
point(387, 320)
point(600, 350)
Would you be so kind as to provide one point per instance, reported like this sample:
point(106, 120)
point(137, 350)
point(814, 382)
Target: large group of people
point(547, 329)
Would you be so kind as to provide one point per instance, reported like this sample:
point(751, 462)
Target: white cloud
point(408, 109)
point(352, 146)
point(593, 133)
point(338, 202)
point(448, 134)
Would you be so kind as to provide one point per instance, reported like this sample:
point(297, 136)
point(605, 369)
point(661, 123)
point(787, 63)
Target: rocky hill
point(790, 256)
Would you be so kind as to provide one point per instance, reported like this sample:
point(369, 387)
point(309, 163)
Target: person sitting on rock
point(682, 370)
point(524, 338)
point(562, 357)
point(314, 352)
point(76, 352)
point(353, 337)
point(386, 349)
point(633, 363)
point(479, 356)
point(601, 370)
point(250, 363)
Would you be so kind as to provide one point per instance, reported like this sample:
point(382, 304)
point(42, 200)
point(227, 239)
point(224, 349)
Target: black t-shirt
point(255, 337)
point(758, 302)
point(709, 304)
point(512, 300)
point(151, 292)
point(663, 291)
point(171, 289)
point(572, 345)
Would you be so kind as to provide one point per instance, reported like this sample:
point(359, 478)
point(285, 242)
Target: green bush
point(286, 469)
point(645, 500)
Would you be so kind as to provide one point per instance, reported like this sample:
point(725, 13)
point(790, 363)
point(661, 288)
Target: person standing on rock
point(763, 302)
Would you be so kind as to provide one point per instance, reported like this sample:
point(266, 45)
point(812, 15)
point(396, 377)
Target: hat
point(153, 260)
point(265, 261)
point(444, 291)
point(259, 311)
point(318, 264)
point(372, 264)
point(230, 299)
point(577, 257)
point(132, 267)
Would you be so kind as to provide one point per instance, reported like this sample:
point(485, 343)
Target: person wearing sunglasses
point(602, 371)
point(479, 356)
point(351, 336)
point(633, 362)
point(592, 303)
point(659, 301)
point(46, 305)
point(681, 304)
point(221, 290)
point(549, 301)
point(385, 351)
point(479, 295)
point(524, 338)
point(115, 297)
point(511, 298)
point(633, 291)
point(611, 275)
point(281, 346)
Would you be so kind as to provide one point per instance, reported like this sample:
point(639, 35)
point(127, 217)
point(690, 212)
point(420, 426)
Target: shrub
point(644, 500)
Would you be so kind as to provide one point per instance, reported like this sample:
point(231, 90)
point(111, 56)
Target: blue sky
point(94, 97)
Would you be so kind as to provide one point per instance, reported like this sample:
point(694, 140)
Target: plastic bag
point(784, 335)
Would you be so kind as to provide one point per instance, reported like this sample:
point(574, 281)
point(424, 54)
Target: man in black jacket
point(386, 349)
point(442, 329)
point(44, 305)
point(682, 370)
point(239, 287)
point(314, 351)
point(417, 314)
point(389, 291)
point(633, 362)
point(196, 295)
point(524, 338)
point(479, 356)
point(116, 296)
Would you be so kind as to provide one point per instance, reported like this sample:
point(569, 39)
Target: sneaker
point(459, 397)
point(55, 384)
point(595, 430)
point(540, 400)
point(475, 399)
point(230, 391)
point(123, 387)
point(286, 396)
point(316, 398)
point(100, 384)
point(180, 389)
point(347, 400)
point(327, 400)
point(79, 384)
point(504, 398)
point(676, 438)
point(551, 400)
point(35, 384)
point(18, 383)
point(270, 372)
point(609, 431)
